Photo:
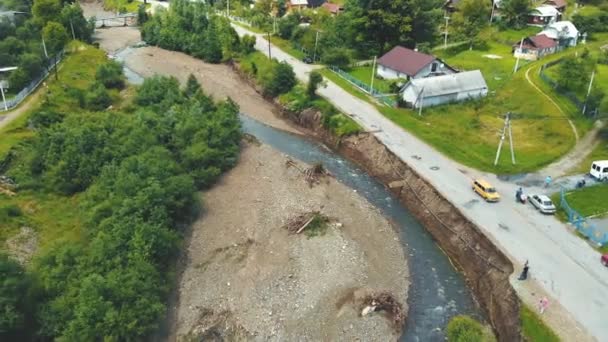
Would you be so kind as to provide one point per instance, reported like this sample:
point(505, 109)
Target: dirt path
point(574, 131)
point(576, 155)
point(7, 117)
point(246, 277)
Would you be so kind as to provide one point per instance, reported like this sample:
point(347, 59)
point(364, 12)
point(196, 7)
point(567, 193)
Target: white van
point(599, 170)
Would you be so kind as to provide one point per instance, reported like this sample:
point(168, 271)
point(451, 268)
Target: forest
point(137, 173)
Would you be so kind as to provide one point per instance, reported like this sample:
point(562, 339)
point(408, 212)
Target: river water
point(437, 291)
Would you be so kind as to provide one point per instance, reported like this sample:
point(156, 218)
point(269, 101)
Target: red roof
point(541, 41)
point(406, 61)
point(557, 3)
point(333, 8)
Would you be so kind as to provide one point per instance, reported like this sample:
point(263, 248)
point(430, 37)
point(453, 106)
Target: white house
point(402, 62)
point(543, 15)
point(563, 32)
point(433, 91)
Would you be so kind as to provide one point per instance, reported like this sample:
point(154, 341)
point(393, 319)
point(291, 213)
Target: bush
point(464, 329)
point(315, 79)
point(281, 79)
point(97, 98)
point(247, 44)
point(110, 75)
point(338, 57)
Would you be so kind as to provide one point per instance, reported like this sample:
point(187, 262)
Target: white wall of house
point(411, 97)
point(436, 66)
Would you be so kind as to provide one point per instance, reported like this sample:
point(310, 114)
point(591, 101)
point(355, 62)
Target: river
point(438, 291)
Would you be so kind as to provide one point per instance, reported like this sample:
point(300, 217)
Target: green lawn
point(533, 328)
point(52, 216)
point(123, 6)
point(364, 74)
point(600, 152)
point(589, 201)
point(286, 46)
point(510, 36)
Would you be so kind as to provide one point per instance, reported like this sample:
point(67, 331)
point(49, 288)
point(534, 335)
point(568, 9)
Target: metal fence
point(582, 225)
point(386, 99)
point(15, 101)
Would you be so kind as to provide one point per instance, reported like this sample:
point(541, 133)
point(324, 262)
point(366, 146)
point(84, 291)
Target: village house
point(296, 5)
point(433, 91)
point(563, 32)
point(402, 62)
point(534, 47)
point(559, 5)
point(334, 9)
point(543, 15)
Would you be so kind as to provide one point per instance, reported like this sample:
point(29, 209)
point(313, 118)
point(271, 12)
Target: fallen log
point(306, 224)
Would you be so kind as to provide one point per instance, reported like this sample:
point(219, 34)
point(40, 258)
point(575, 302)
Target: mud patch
point(23, 245)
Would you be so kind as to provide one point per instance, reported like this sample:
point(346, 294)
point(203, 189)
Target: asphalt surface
point(565, 265)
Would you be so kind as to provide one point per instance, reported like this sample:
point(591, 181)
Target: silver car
point(542, 203)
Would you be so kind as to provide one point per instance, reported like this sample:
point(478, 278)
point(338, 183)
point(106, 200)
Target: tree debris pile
point(313, 174)
point(384, 301)
point(314, 223)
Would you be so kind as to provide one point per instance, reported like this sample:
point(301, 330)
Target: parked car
point(485, 190)
point(542, 203)
point(599, 170)
point(307, 60)
point(605, 260)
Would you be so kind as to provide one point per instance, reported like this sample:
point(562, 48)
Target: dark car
point(307, 60)
point(605, 260)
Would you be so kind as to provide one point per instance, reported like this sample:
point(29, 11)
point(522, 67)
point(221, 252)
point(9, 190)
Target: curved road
point(564, 265)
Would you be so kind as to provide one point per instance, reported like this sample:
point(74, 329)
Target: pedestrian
point(548, 181)
point(524, 273)
point(543, 305)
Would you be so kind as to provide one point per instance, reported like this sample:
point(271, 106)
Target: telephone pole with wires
point(506, 130)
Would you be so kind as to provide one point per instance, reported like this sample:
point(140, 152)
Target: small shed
point(402, 62)
point(334, 9)
point(534, 47)
point(543, 15)
point(433, 91)
point(296, 5)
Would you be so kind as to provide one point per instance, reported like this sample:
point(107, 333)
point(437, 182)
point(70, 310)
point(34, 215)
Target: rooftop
point(449, 84)
point(545, 11)
point(405, 60)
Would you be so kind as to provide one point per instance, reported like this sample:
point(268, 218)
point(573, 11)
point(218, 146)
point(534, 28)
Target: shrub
point(464, 329)
point(110, 75)
point(338, 57)
point(98, 97)
point(281, 79)
point(315, 79)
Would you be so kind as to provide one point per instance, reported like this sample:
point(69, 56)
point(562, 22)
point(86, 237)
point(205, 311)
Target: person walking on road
point(524, 273)
point(543, 305)
point(548, 181)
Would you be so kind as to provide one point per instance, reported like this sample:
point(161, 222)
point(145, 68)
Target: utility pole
point(502, 139)
point(3, 98)
point(228, 9)
point(314, 56)
point(521, 45)
point(373, 76)
point(269, 55)
point(44, 48)
point(420, 101)
point(445, 39)
point(72, 26)
point(492, 13)
point(511, 139)
point(588, 91)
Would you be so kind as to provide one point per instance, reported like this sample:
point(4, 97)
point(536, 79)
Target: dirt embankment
point(248, 277)
point(485, 267)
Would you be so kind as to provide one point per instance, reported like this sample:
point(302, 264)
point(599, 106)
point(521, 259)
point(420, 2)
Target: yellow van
point(485, 190)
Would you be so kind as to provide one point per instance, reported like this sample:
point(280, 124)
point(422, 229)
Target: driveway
point(561, 263)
